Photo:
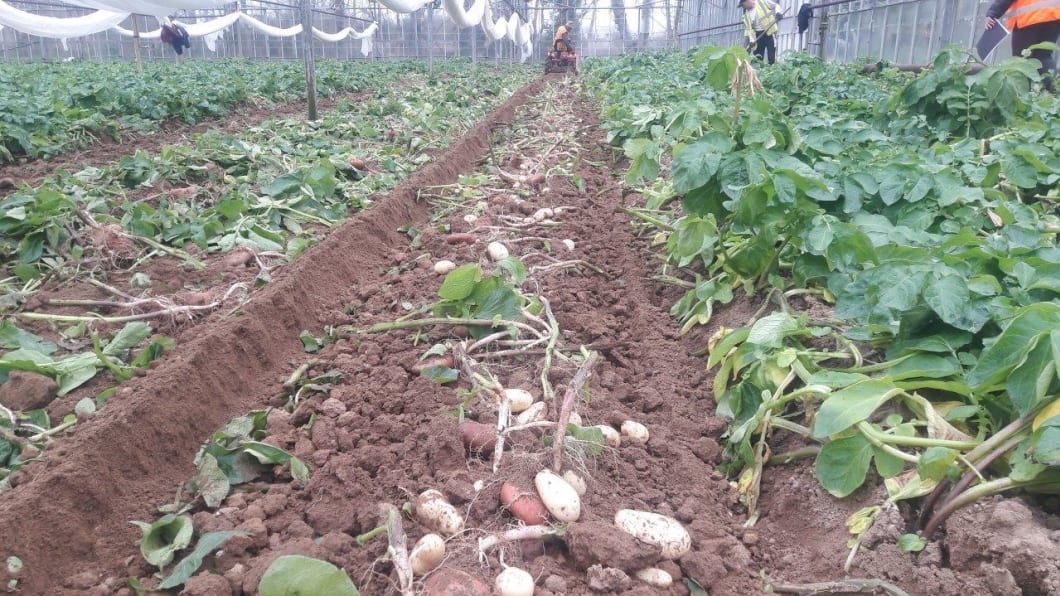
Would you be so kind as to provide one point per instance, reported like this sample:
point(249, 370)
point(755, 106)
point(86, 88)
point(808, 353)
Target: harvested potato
point(427, 554)
point(433, 510)
point(524, 505)
point(559, 497)
point(659, 530)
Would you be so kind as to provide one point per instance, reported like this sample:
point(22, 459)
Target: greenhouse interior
point(529, 297)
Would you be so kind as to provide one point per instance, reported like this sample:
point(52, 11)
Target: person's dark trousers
point(1025, 37)
point(766, 49)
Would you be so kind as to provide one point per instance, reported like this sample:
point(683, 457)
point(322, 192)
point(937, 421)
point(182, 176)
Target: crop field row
point(686, 325)
point(47, 109)
point(101, 259)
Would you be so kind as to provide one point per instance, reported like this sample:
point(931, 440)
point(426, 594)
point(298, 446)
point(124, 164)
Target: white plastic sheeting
point(404, 6)
point(512, 28)
point(194, 29)
point(58, 28)
point(157, 8)
point(212, 30)
point(465, 18)
point(494, 30)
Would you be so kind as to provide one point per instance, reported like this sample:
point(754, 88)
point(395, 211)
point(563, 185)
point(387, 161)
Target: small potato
point(470, 218)
point(464, 238)
point(514, 582)
point(543, 214)
point(559, 497)
point(477, 436)
point(427, 554)
point(497, 251)
point(653, 576)
point(568, 243)
point(536, 180)
point(520, 399)
point(575, 419)
point(635, 431)
point(444, 266)
point(446, 361)
point(433, 510)
point(524, 505)
point(357, 163)
point(239, 257)
point(659, 530)
point(535, 413)
point(576, 481)
point(611, 436)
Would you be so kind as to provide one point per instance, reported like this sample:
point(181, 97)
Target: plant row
point(48, 108)
point(900, 233)
point(262, 196)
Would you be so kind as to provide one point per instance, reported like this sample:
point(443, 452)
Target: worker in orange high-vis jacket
point(1031, 22)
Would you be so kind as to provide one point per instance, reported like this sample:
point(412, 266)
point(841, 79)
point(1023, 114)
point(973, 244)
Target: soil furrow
point(71, 511)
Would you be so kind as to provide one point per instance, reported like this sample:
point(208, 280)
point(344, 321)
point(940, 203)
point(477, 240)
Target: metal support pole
point(136, 44)
point(822, 29)
point(430, 41)
point(307, 52)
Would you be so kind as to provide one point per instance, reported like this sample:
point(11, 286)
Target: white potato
point(535, 413)
point(611, 436)
point(514, 582)
point(543, 213)
point(559, 497)
point(567, 242)
point(576, 482)
point(654, 576)
point(427, 554)
point(497, 251)
point(433, 510)
point(442, 267)
point(520, 399)
point(659, 530)
point(635, 431)
point(470, 218)
point(575, 419)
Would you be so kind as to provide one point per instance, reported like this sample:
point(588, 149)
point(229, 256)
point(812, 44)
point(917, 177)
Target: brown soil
point(108, 150)
point(73, 508)
point(384, 433)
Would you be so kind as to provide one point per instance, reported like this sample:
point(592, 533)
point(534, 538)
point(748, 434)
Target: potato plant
point(917, 212)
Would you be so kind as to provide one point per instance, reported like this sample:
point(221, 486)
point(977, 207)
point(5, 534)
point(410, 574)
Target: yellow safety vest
point(763, 10)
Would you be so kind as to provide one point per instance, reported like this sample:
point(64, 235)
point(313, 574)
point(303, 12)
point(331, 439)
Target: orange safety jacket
point(1024, 13)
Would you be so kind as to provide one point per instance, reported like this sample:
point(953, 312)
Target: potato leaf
point(460, 282)
point(211, 482)
point(187, 566)
point(267, 454)
point(842, 464)
point(851, 405)
point(127, 338)
point(911, 543)
point(164, 537)
point(1010, 349)
point(296, 574)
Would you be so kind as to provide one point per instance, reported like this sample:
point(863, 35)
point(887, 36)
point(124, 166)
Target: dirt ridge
point(118, 466)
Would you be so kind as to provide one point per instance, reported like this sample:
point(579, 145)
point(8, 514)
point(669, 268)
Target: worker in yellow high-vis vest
point(760, 19)
point(1031, 22)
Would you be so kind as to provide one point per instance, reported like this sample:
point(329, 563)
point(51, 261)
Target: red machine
point(562, 58)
